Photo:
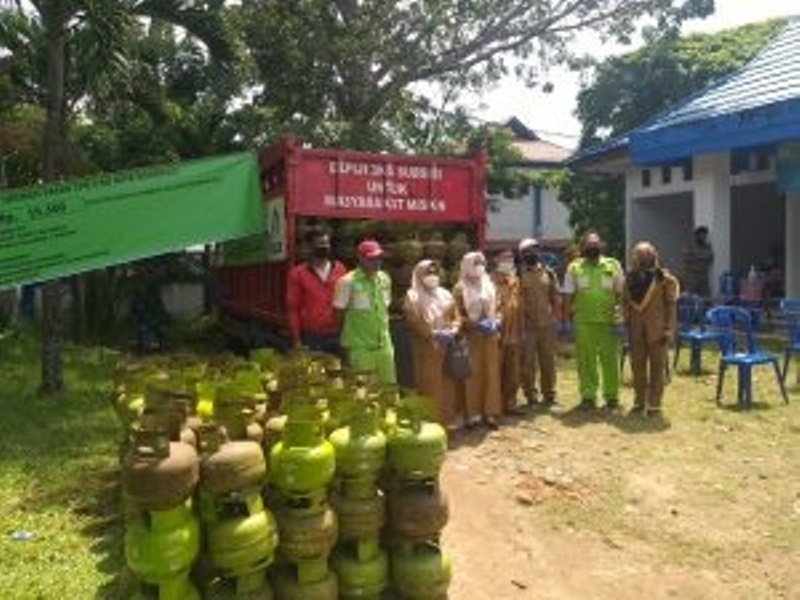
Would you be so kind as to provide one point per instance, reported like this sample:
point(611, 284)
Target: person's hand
point(489, 325)
point(620, 331)
point(443, 335)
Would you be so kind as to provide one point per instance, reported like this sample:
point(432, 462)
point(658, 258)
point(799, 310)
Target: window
point(666, 174)
point(646, 178)
point(688, 170)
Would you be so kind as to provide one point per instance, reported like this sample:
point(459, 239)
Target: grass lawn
point(59, 479)
point(732, 476)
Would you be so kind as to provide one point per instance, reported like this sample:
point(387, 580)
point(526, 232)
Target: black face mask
point(591, 253)
point(646, 264)
point(321, 252)
point(530, 258)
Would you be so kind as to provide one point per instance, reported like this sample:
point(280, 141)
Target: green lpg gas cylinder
point(421, 573)
point(251, 587)
point(162, 545)
point(416, 449)
point(287, 587)
point(303, 460)
point(179, 588)
point(360, 446)
point(245, 541)
point(363, 579)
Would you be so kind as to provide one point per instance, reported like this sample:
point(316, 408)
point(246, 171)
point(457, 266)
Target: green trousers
point(380, 362)
point(597, 342)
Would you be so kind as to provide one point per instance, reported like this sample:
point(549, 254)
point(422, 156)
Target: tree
point(85, 48)
point(346, 68)
point(628, 90)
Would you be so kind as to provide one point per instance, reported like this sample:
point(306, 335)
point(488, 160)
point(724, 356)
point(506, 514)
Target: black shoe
point(637, 409)
point(612, 404)
point(491, 423)
point(587, 404)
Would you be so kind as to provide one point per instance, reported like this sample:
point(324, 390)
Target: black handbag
point(456, 358)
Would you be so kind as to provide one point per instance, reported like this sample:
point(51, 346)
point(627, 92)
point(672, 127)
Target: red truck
point(414, 205)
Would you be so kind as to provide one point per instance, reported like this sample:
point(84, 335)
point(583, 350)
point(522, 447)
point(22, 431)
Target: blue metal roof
point(756, 105)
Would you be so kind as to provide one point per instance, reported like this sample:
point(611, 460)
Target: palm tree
point(86, 44)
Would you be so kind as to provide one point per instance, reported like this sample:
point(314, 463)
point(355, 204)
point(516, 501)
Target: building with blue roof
point(727, 158)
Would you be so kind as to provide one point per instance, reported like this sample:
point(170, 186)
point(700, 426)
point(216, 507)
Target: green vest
point(366, 318)
point(595, 298)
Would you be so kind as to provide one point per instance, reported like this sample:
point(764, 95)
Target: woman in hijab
point(476, 302)
point(432, 319)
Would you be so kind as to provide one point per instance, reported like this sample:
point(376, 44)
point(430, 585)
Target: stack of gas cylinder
point(360, 446)
point(162, 534)
point(240, 535)
point(291, 479)
point(417, 506)
point(302, 465)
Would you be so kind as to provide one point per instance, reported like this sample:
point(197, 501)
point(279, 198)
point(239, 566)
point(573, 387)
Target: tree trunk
point(52, 168)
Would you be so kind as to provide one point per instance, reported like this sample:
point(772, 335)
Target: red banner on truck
point(363, 185)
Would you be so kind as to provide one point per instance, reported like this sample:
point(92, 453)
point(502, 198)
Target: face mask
point(321, 252)
point(505, 267)
point(530, 258)
point(480, 271)
point(592, 252)
point(647, 263)
point(431, 281)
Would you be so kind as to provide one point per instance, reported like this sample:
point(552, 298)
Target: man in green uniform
point(593, 286)
point(362, 297)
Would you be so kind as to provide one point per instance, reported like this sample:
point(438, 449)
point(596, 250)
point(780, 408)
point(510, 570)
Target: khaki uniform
point(429, 376)
point(697, 262)
point(651, 324)
point(538, 298)
point(509, 311)
point(481, 390)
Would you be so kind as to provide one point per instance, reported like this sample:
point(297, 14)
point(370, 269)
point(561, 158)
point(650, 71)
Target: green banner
point(55, 230)
point(268, 246)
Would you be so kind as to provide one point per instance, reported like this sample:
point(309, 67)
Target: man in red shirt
point(313, 323)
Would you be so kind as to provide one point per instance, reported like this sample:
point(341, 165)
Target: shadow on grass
point(106, 529)
point(627, 422)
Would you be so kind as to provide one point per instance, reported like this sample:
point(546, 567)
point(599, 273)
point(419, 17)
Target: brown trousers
point(539, 358)
point(482, 388)
point(509, 374)
point(647, 364)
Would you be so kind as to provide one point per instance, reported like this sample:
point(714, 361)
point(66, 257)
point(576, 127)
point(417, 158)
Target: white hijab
point(431, 304)
point(480, 297)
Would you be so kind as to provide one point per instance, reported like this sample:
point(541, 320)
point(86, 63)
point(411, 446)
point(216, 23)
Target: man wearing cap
point(539, 295)
point(593, 288)
point(362, 296)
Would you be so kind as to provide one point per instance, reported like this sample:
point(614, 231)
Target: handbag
point(456, 358)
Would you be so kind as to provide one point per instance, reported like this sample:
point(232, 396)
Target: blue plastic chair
point(737, 344)
point(692, 331)
point(790, 307)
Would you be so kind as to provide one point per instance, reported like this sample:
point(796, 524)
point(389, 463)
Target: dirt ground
point(600, 506)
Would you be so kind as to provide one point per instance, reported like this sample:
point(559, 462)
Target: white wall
point(792, 247)
point(555, 217)
point(662, 221)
